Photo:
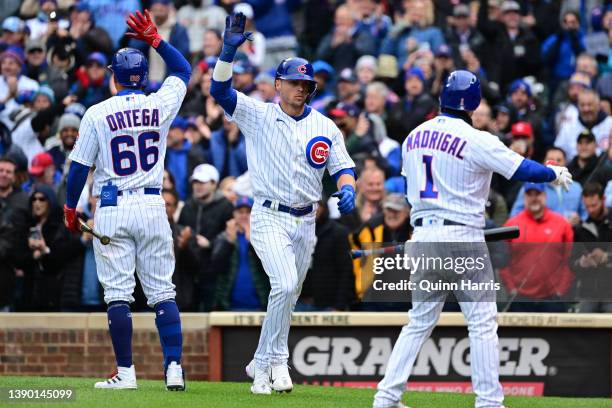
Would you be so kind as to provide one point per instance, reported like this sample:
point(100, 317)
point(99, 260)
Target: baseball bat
point(104, 240)
point(493, 234)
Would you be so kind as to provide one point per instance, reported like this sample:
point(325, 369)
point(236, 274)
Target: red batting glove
point(70, 219)
point(144, 28)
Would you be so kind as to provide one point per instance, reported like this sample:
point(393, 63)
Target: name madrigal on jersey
point(132, 118)
point(444, 142)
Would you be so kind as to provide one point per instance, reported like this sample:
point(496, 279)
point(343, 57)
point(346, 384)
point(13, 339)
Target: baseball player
point(125, 138)
point(289, 146)
point(448, 165)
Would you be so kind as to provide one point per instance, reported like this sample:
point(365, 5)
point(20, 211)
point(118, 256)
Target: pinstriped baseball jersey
point(448, 166)
point(125, 137)
point(287, 158)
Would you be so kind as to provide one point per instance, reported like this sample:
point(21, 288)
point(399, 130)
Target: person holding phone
point(55, 255)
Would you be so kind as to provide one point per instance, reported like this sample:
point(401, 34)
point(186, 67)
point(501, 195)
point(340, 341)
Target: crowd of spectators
point(546, 74)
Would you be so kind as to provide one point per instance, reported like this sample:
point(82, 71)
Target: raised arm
point(233, 37)
point(144, 29)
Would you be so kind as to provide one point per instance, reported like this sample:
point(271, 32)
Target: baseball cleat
point(175, 377)
point(261, 381)
point(125, 379)
point(250, 369)
point(281, 381)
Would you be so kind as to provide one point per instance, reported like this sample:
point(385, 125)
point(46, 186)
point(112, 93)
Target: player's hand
point(234, 34)
point(564, 177)
point(346, 195)
point(144, 28)
point(70, 219)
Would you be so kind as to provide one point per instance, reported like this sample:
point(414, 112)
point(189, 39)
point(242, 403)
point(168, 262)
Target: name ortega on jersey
point(317, 151)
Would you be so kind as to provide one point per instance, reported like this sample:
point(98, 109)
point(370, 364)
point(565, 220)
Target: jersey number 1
point(125, 161)
point(429, 191)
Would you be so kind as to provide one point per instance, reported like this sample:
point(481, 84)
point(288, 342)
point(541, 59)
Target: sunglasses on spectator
point(35, 50)
point(39, 198)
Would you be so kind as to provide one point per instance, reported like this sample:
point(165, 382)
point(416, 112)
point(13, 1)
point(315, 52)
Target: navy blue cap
point(535, 186)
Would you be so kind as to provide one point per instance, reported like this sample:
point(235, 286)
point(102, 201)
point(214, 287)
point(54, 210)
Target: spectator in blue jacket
point(177, 155)
point(561, 49)
point(171, 31)
point(228, 150)
point(111, 15)
point(413, 31)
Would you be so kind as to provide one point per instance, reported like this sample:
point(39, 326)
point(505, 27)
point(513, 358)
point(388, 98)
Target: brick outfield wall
point(79, 345)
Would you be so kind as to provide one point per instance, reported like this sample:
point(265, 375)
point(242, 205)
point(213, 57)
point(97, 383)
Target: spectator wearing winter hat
point(255, 49)
point(169, 30)
point(60, 145)
point(414, 108)
point(44, 98)
point(92, 81)
point(12, 82)
point(344, 44)
point(365, 68)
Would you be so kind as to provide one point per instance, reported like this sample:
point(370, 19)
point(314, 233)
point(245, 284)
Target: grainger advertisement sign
point(533, 361)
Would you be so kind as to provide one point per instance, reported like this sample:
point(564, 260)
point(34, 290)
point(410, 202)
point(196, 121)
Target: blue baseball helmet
point(130, 67)
point(461, 91)
point(297, 69)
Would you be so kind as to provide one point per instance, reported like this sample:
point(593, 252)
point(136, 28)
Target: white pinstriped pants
point(141, 241)
point(482, 327)
point(284, 244)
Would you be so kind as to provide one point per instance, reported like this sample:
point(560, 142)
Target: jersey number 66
point(125, 161)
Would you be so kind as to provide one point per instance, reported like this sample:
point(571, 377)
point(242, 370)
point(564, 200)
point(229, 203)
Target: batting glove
point(234, 34)
point(563, 176)
point(70, 219)
point(144, 28)
point(346, 195)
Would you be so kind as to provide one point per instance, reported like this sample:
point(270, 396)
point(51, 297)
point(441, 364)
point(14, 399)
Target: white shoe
point(281, 381)
point(175, 377)
point(250, 369)
point(125, 379)
point(261, 381)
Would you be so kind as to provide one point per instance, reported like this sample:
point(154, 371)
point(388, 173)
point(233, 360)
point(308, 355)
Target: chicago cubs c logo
point(317, 151)
point(302, 69)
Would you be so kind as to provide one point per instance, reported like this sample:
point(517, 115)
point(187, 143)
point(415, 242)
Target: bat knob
point(105, 240)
